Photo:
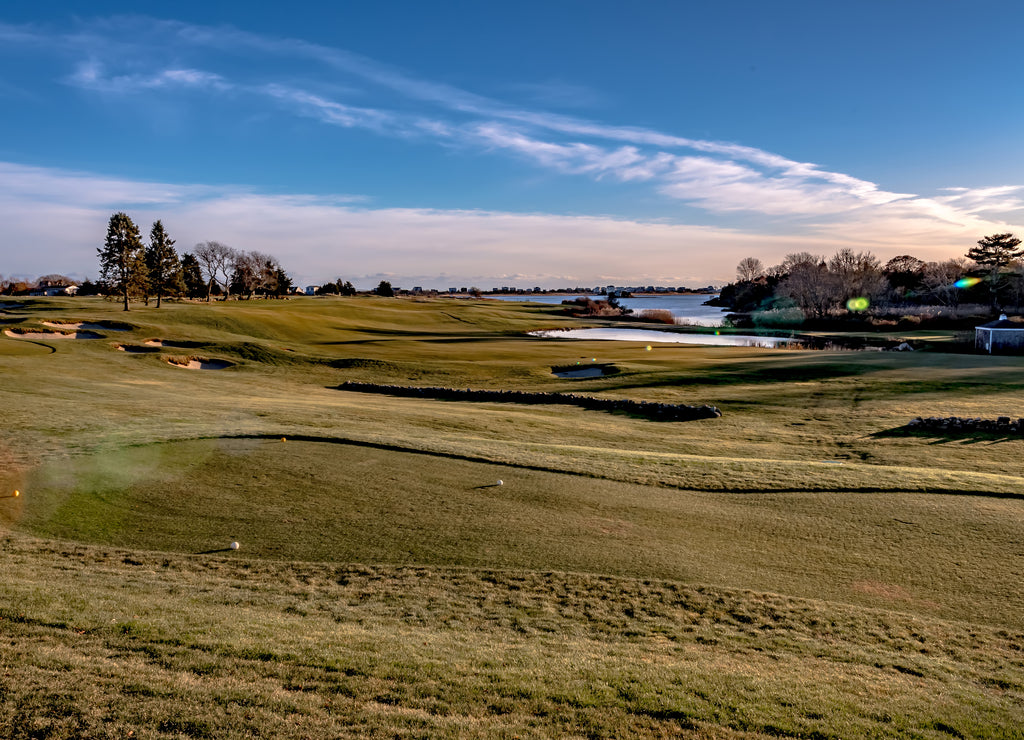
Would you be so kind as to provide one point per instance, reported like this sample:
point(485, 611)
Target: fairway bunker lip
point(136, 349)
point(172, 343)
point(39, 334)
point(199, 363)
point(87, 325)
point(580, 371)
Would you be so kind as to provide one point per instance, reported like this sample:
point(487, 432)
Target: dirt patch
point(136, 349)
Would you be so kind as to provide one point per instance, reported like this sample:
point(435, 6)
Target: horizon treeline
point(807, 286)
point(136, 271)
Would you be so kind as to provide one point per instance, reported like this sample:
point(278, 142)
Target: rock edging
point(647, 409)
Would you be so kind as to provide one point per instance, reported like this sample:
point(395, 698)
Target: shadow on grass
point(936, 437)
point(44, 345)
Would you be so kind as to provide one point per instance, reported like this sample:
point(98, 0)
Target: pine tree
point(996, 252)
point(192, 275)
point(122, 258)
point(162, 263)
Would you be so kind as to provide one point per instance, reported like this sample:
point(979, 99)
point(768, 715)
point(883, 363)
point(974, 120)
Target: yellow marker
point(17, 493)
point(283, 439)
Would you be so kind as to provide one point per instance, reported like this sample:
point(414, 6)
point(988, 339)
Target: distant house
point(312, 289)
point(1000, 337)
point(53, 290)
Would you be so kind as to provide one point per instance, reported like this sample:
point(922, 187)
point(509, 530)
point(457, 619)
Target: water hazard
point(650, 335)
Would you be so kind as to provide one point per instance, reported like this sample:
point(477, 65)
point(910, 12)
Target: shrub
point(659, 315)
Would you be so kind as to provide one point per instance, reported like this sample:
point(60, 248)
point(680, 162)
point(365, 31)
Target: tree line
point(817, 288)
point(132, 270)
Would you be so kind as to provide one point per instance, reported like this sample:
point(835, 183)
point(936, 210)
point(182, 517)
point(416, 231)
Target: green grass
point(798, 567)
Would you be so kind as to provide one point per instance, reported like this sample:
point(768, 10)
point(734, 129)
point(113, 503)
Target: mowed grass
point(303, 500)
point(800, 566)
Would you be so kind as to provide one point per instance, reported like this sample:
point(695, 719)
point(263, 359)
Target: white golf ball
point(501, 482)
point(234, 545)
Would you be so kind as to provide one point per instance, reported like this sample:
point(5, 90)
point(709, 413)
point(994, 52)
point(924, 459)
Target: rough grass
point(218, 647)
point(791, 569)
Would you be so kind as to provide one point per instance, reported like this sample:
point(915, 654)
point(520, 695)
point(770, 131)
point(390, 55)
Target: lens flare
point(860, 303)
point(967, 282)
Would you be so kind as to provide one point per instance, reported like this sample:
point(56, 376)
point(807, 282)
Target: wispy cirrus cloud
point(141, 56)
point(90, 75)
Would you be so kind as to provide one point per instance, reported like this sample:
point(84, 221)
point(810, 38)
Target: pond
point(685, 308)
point(650, 335)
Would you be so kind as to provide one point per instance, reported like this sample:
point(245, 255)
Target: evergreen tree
point(162, 263)
point(996, 252)
point(122, 258)
point(284, 283)
point(384, 289)
point(192, 276)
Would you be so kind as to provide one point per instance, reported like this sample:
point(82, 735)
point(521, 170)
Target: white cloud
point(55, 220)
point(140, 56)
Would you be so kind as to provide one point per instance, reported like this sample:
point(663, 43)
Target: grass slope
point(844, 578)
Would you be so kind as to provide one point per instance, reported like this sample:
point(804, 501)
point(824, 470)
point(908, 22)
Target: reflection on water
point(649, 335)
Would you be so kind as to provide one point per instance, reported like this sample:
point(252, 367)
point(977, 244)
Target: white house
point(1000, 337)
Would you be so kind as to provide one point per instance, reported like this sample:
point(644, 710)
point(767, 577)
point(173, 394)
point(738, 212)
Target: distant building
point(311, 289)
point(54, 290)
point(1000, 337)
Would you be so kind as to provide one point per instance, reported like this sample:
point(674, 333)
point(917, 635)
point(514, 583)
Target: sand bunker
point(583, 372)
point(154, 343)
point(83, 325)
point(134, 348)
point(52, 334)
point(200, 363)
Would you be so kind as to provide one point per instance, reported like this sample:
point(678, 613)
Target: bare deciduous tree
point(749, 268)
point(216, 261)
point(939, 279)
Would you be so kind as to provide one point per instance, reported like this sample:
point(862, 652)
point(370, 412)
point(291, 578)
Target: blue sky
point(551, 143)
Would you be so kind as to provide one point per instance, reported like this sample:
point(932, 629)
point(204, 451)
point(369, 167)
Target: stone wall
point(957, 424)
point(646, 409)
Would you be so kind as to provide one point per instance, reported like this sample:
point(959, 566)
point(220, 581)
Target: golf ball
point(501, 482)
point(235, 545)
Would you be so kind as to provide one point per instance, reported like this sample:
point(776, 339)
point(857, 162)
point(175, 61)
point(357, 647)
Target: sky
point(572, 143)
